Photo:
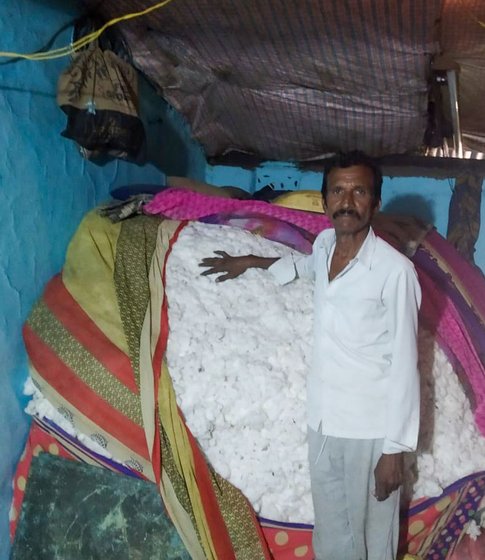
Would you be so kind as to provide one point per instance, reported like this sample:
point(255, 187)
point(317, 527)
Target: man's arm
point(402, 298)
point(231, 267)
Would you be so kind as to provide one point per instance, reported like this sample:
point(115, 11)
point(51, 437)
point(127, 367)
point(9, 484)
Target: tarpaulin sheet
point(290, 80)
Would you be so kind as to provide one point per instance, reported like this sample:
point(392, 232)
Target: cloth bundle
point(98, 93)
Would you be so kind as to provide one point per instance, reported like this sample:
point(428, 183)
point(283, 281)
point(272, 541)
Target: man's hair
point(349, 159)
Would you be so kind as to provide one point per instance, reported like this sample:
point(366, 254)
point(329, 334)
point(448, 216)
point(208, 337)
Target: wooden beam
point(398, 165)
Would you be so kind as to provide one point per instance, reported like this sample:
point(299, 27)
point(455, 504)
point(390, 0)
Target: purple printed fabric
point(271, 228)
point(468, 278)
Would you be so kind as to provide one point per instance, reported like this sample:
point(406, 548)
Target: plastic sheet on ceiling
point(290, 80)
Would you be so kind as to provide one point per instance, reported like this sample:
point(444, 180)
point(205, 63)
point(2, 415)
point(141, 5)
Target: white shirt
point(364, 380)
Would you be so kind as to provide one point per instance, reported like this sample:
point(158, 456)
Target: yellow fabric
point(310, 201)
point(180, 518)
point(150, 332)
point(182, 453)
point(89, 278)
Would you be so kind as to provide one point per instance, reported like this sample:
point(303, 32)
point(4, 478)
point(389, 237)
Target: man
point(363, 388)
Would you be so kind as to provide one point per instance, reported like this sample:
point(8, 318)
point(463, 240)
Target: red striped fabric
point(59, 300)
point(158, 357)
point(220, 537)
point(66, 382)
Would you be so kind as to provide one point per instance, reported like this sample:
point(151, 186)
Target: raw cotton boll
point(251, 369)
point(454, 447)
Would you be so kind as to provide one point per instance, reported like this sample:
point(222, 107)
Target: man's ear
point(378, 205)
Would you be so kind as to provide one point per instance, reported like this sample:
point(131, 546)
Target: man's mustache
point(346, 212)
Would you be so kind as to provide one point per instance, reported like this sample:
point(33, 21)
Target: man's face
point(349, 202)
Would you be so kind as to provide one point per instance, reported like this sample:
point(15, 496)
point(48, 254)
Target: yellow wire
point(83, 41)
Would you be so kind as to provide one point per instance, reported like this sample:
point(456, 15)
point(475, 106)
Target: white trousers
point(350, 524)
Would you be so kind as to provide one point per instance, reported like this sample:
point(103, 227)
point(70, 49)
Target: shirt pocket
point(359, 322)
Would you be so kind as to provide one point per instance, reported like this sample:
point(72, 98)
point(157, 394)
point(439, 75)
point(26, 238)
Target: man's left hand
point(388, 475)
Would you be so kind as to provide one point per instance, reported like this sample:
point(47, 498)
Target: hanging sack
point(99, 94)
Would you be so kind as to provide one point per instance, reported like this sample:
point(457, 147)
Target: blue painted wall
point(46, 187)
point(422, 197)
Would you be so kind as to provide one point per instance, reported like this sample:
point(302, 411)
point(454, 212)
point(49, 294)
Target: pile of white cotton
point(450, 445)
point(238, 354)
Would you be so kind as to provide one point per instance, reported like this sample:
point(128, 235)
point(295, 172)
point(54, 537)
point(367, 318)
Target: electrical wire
point(83, 41)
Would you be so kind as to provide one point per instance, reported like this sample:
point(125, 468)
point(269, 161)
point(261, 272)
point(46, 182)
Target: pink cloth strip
point(182, 204)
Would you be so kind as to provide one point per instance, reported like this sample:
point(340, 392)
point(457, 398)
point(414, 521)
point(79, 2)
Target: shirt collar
point(366, 252)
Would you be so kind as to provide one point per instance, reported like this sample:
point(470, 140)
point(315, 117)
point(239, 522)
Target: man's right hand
point(232, 267)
